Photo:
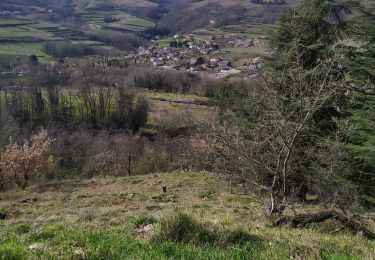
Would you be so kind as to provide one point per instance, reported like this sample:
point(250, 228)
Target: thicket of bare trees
point(63, 49)
point(122, 41)
point(92, 95)
point(175, 82)
point(274, 139)
point(95, 111)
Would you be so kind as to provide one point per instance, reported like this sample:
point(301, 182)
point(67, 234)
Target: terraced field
point(23, 49)
point(135, 3)
point(24, 22)
point(39, 21)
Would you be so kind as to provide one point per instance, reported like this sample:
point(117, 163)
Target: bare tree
point(19, 163)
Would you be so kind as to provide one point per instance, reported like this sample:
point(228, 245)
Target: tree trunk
point(304, 219)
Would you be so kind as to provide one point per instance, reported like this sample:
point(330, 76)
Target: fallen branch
point(338, 230)
point(304, 219)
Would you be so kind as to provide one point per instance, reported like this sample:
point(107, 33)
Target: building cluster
point(254, 65)
point(246, 43)
point(194, 57)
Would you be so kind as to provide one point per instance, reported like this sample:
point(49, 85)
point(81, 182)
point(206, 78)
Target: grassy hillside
point(209, 13)
point(132, 217)
point(116, 113)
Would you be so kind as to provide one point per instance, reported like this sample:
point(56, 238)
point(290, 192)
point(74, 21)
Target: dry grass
point(113, 202)
point(180, 112)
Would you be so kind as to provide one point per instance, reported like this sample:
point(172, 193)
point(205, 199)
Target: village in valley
point(208, 53)
point(203, 55)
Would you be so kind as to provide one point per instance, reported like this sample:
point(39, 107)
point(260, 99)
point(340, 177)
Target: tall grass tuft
point(182, 228)
point(141, 220)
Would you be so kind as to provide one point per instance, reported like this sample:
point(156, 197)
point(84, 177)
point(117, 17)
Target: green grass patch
point(5, 22)
point(22, 49)
point(14, 32)
point(138, 22)
point(26, 32)
point(110, 243)
point(136, 3)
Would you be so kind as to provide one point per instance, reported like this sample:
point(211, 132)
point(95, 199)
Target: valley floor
point(118, 218)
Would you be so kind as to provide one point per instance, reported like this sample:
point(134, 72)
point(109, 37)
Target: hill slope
point(191, 15)
point(110, 218)
point(180, 15)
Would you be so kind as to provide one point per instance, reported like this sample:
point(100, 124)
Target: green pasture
point(98, 4)
point(12, 32)
point(23, 49)
point(20, 32)
point(4, 22)
point(138, 22)
point(135, 3)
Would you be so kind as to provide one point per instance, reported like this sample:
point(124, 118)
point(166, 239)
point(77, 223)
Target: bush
point(19, 163)
point(139, 114)
point(111, 19)
point(153, 159)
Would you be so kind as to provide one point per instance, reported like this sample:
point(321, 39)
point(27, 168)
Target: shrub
point(139, 114)
point(19, 163)
point(153, 159)
point(111, 19)
point(108, 163)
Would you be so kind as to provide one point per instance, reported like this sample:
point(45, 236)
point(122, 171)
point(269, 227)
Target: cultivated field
point(37, 22)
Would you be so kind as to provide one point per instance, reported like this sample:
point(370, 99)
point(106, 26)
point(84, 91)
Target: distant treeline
point(119, 40)
point(122, 41)
point(62, 49)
